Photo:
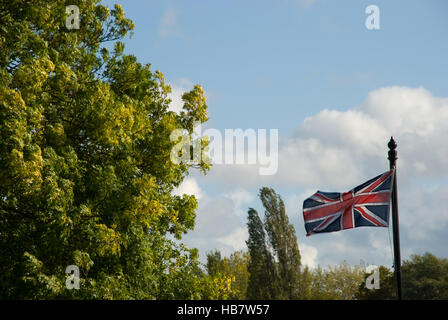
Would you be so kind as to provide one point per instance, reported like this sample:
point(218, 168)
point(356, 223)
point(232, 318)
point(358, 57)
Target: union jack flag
point(365, 205)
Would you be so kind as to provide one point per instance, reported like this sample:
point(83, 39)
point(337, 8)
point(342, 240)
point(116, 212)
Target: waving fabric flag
point(365, 205)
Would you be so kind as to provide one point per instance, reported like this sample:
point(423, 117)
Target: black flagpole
point(396, 234)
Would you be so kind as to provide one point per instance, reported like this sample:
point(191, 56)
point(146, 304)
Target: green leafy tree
point(274, 268)
point(217, 287)
point(234, 267)
point(85, 170)
point(306, 283)
point(343, 280)
point(283, 240)
point(263, 279)
point(214, 262)
point(340, 282)
point(237, 264)
point(425, 277)
point(318, 285)
point(387, 290)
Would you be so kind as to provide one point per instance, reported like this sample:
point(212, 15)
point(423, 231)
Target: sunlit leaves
point(85, 170)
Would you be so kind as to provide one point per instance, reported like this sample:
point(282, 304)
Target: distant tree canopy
point(387, 290)
point(274, 270)
point(424, 277)
point(85, 171)
point(234, 268)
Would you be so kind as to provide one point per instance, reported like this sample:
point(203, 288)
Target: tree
point(425, 277)
point(274, 261)
point(236, 264)
point(214, 263)
point(234, 267)
point(340, 282)
point(283, 240)
point(306, 283)
point(387, 290)
point(263, 283)
point(85, 171)
point(318, 285)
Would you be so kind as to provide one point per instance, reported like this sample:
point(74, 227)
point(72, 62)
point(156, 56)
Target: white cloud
point(240, 197)
point(178, 88)
point(405, 110)
point(189, 186)
point(337, 150)
point(217, 227)
point(309, 162)
point(422, 211)
point(236, 240)
point(308, 255)
point(175, 96)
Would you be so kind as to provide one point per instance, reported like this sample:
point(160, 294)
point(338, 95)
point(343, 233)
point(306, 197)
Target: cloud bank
point(335, 151)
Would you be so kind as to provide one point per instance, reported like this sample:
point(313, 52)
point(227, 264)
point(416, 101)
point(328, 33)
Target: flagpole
point(395, 230)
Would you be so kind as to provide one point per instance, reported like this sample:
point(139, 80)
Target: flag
point(367, 205)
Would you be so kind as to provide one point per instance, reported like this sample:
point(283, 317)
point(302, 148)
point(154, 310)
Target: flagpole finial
point(392, 152)
point(392, 144)
point(395, 230)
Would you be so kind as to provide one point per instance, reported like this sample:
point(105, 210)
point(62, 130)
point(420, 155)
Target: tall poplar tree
point(263, 282)
point(283, 240)
point(275, 258)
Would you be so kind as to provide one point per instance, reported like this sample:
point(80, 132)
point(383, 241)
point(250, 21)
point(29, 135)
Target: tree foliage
point(234, 267)
point(387, 290)
point(85, 170)
point(425, 277)
point(274, 254)
point(340, 282)
point(262, 273)
point(283, 241)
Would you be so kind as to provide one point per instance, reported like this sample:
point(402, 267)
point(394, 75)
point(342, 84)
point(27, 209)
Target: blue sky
point(287, 56)
point(272, 64)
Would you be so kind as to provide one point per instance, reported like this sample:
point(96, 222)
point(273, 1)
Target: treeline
point(271, 267)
